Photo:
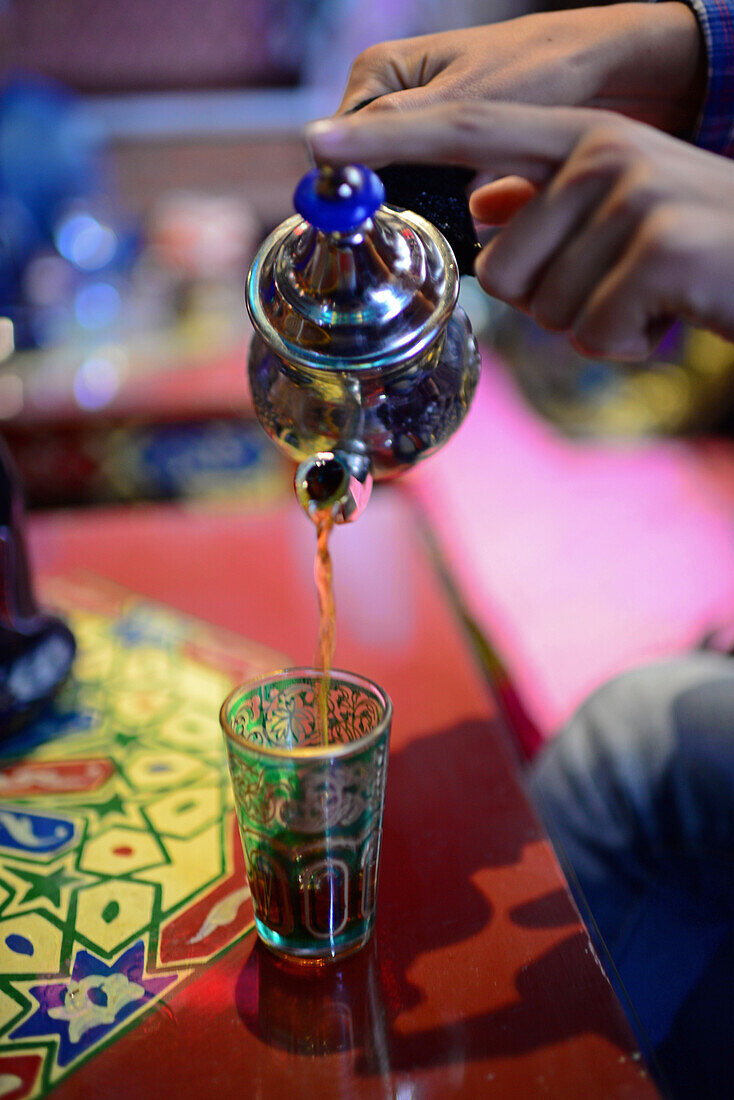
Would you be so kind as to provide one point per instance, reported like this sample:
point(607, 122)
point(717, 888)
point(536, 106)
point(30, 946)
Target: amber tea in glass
point(327, 616)
point(310, 814)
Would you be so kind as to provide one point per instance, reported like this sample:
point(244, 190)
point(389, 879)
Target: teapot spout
point(334, 483)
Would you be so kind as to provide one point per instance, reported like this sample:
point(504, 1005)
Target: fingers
point(572, 274)
point(409, 99)
point(391, 67)
point(508, 139)
point(511, 265)
point(621, 319)
point(495, 203)
point(679, 263)
point(369, 88)
point(371, 76)
point(610, 282)
point(590, 243)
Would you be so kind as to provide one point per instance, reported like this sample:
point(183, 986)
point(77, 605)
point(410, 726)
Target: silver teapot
point(361, 363)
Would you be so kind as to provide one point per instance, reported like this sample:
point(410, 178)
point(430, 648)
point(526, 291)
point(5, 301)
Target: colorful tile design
point(121, 872)
point(92, 1003)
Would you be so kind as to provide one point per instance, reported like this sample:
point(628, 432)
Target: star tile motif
point(94, 877)
point(82, 1013)
point(112, 805)
point(119, 807)
point(48, 887)
point(94, 1001)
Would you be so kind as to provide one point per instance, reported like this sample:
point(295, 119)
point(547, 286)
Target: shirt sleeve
point(715, 128)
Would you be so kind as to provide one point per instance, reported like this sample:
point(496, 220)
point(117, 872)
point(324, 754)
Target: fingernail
point(323, 135)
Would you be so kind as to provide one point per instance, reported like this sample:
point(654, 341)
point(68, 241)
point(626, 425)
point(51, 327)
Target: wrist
point(656, 68)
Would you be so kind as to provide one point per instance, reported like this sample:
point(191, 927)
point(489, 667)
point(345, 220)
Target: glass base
point(314, 954)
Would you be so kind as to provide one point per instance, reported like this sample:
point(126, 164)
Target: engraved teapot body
point(361, 363)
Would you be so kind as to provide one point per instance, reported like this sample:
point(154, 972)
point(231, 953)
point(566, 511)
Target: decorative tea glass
point(310, 805)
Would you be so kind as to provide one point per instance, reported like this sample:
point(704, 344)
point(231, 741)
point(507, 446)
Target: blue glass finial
point(339, 200)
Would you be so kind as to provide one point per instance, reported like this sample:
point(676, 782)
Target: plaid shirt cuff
point(715, 129)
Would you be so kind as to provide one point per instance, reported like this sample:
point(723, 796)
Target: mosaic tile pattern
point(121, 872)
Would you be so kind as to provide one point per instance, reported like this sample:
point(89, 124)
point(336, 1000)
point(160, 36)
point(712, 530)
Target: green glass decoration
point(309, 796)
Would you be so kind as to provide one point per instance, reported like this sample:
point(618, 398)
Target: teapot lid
point(349, 283)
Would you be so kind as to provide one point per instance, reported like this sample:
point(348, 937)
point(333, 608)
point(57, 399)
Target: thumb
point(495, 203)
point(404, 99)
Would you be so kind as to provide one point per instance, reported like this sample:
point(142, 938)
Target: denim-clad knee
point(638, 795)
point(643, 776)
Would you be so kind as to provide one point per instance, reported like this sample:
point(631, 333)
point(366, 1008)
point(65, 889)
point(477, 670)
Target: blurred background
point(146, 148)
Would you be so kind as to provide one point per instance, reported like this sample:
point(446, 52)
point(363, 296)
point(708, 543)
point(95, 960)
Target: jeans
point(637, 793)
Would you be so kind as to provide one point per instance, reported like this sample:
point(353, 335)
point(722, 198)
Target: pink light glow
point(580, 559)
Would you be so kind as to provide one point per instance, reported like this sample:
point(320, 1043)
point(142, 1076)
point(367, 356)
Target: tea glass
point(310, 805)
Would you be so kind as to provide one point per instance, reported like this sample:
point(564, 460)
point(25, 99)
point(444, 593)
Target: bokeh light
point(97, 305)
point(85, 242)
point(7, 338)
point(11, 395)
point(96, 382)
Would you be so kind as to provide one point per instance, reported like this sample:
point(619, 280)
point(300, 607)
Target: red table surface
point(480, 979)
point(155, 392)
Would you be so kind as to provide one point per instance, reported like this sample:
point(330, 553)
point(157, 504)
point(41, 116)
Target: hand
point(643, 60)
point(611, 228)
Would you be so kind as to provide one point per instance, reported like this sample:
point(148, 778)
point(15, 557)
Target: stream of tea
point(327, 620)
